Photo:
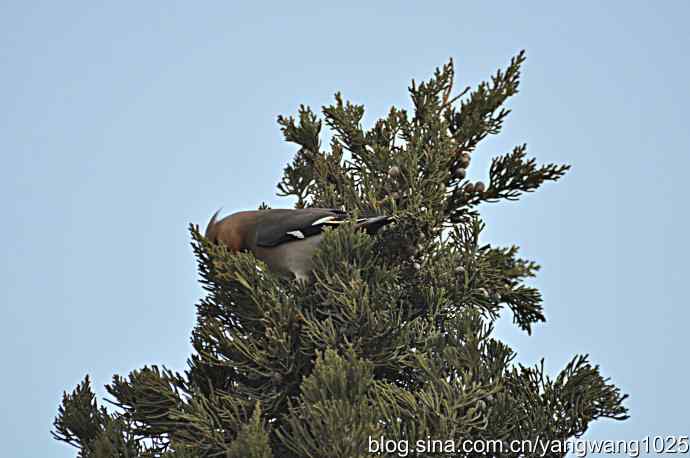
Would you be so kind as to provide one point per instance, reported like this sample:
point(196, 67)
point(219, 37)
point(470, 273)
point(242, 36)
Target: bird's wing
point(283, 225)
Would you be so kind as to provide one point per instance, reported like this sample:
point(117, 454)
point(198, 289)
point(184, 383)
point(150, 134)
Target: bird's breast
point(293, 257)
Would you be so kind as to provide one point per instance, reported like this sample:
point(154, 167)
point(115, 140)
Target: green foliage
point(97, 434)
point(393, 337)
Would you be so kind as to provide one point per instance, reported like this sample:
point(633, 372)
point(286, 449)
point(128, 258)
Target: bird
point(284, 239)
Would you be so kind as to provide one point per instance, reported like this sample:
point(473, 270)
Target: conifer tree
point(394, 336)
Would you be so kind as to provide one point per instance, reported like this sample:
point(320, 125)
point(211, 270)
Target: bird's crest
point(211, 231)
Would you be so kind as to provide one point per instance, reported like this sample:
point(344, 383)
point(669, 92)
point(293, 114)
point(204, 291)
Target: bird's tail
point(372, 225)
point(212, 227)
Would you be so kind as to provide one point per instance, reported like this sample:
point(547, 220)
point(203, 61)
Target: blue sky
point(123, 122)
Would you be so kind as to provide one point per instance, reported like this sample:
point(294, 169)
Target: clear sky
point(122, 122)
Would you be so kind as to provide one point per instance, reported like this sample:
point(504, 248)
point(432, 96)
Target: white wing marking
point(323, 220)
point(297, 234)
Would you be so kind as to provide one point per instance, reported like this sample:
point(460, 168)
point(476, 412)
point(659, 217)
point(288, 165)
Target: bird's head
point(233, 230)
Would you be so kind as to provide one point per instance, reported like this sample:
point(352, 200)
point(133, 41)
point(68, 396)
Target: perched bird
point(285, 239)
